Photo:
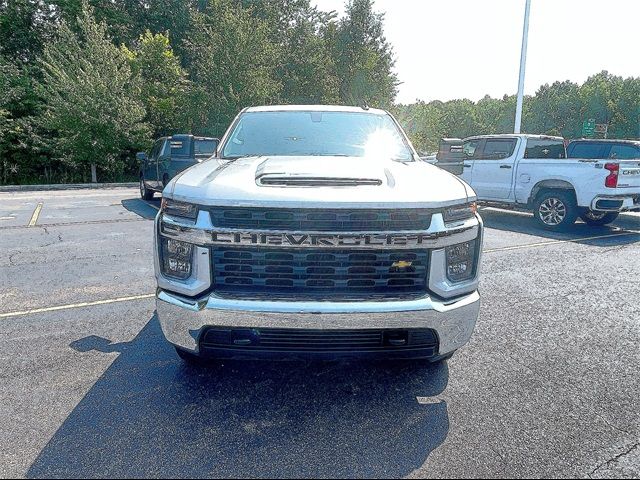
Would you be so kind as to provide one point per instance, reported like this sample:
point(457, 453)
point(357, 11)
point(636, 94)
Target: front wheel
point(555, 209)
point(595, 219)
point(145, 193)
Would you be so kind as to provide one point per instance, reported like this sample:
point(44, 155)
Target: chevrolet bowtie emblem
point(402, 264)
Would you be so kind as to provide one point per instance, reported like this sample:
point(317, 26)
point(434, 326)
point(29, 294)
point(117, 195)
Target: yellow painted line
point(36, 214)
point(75, 305)
point(557, 242)
point(152, 206)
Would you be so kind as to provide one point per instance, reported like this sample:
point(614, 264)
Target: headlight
point(179, 209)
point(461, 261)
point(176, 258)
point(459, 212)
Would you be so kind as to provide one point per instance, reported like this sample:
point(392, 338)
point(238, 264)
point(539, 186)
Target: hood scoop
point(317, 172)
point(283, 180)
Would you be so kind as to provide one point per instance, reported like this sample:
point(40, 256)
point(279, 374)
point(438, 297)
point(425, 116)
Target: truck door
point(450, 156)
point(493, 168)
point(471, 149)
point(151, 166)
point(165, 157)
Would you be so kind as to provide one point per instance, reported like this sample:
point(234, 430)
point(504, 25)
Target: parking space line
point(152, 206)
point(556, 242)
point(75, 305)
point(36, 214)
point(68, 224)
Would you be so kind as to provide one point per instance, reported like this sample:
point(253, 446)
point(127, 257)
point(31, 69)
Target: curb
point(68, 186)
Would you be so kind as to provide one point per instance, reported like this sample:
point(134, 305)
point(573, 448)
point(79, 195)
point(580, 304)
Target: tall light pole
point(523, 63)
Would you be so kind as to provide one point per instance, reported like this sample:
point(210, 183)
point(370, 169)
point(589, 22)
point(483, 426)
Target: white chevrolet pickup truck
point(596, 181)
point(317, 231)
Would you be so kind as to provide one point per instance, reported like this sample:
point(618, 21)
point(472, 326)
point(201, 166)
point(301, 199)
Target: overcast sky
point(449, 49)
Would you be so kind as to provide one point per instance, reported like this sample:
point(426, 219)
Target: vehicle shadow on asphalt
point(621, 232)
point(143, 208)
point(150, 414)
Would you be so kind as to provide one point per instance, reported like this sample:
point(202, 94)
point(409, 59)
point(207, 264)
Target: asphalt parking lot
point(548, 386)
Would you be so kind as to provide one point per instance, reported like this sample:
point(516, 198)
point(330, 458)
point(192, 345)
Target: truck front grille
point(320, 220)
point(294, 273)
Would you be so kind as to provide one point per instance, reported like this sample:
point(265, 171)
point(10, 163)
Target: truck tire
point(145, 193)
point(598, 218)
point(555, 209)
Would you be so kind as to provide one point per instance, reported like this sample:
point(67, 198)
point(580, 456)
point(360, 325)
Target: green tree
point(555, 108)
point(231, 64)
point(364, 58)
point(25, 26)
point(91, 97)
point(164, 89)
point(302, 59)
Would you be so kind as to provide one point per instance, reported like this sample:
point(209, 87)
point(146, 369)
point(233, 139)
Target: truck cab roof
point(517, 135)
point(314, 108)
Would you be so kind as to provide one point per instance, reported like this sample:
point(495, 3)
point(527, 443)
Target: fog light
point(461, 260)
point(176, 258)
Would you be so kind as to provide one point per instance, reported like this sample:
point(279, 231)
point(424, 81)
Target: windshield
point(311, 133)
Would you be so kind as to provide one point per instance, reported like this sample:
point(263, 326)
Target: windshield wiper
point(236, 157)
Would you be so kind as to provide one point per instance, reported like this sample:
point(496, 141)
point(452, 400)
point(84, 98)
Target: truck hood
point(321, 181)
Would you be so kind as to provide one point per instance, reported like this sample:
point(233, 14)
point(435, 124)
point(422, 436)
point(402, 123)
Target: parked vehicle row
point(591, 179)
point(170, 156)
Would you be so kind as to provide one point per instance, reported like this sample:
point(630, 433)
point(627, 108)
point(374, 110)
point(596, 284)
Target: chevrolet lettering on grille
point(319, 240)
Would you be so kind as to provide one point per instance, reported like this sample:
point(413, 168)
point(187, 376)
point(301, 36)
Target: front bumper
point(184, 320)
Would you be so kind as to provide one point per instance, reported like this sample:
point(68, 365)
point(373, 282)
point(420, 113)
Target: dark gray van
point(170, 156)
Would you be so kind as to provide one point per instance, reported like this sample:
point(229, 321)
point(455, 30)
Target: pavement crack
point(616, 458)
point(604, 420)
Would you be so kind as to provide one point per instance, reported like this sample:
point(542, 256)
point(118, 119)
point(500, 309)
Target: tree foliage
point(164, 88)
point(86, 81)
point(230, 59)
point(364, 58)
point(92, 101)
point(556, 109)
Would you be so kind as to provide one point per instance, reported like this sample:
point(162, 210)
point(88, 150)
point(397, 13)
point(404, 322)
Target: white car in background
point(533, 172)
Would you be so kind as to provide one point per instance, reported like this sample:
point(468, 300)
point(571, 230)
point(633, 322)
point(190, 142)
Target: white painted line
point(75, 305)
point(10, 217)
point(36, 214)
point(557, 242)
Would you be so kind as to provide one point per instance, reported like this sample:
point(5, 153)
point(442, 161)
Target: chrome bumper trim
point(203, 233)
point(182, 319)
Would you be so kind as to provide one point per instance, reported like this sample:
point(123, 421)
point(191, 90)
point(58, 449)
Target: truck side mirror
point(141, 156)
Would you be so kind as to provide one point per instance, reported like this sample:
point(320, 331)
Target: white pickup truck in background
point(533, 172)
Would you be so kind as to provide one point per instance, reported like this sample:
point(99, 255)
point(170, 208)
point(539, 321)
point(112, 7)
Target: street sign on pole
point(588, 128)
